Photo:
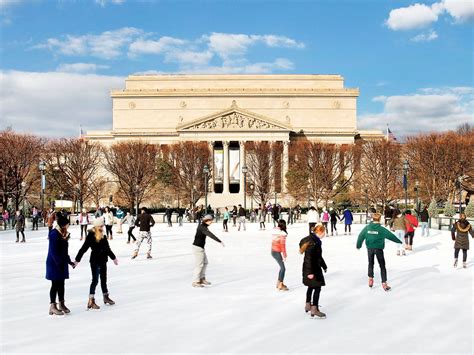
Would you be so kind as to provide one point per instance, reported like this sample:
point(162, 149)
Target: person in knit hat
point(100, 253)
point(57, 264)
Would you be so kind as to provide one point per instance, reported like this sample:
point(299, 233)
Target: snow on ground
point(429, 309)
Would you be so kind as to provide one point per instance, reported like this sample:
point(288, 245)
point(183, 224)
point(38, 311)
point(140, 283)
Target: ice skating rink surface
point(428, 310)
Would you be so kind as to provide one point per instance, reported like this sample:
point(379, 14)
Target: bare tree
point(133, 164)
point(97, 190)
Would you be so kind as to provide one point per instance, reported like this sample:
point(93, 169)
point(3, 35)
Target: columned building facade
point(229, 110)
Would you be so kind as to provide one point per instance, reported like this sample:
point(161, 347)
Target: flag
point(390, 136)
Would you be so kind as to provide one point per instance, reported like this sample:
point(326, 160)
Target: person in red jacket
point(411, 224)
point(279, 251)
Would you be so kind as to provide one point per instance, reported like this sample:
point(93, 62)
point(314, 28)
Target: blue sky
point(412, 61)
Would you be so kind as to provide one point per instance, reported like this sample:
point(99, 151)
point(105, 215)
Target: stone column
point(285, 165)
point(225, 182)
point(241, 164)
point(211, 167)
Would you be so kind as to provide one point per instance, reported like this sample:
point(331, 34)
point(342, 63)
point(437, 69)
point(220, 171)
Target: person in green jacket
point(374, 235)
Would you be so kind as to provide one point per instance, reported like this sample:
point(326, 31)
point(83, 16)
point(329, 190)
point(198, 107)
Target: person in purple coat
point(57, 264)
point(348, 219)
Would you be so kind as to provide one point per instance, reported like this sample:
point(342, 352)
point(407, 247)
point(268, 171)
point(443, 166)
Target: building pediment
point(234, 119)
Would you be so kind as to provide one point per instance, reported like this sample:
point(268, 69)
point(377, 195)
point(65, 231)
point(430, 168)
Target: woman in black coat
point(100, 253)
point(313, 267)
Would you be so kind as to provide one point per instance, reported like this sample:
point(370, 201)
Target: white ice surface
point(429, 309)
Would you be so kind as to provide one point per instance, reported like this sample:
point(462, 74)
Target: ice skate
point(398, 252)
point(371, 281)
point(80, 238)
point(135, 254)
point(54, 311)
point(107, 300)
point(197, 284)
point(128, 242)
point(204, 282)
point(23, 241)
point(464, 265)
point(386, 287)
point(315, 312)
point(455, 263)
point(91, 304)
point(307, 307)
point(17, 241)
point(148, 256)
point(403, 252)
point(62, 307)
point(282, 286)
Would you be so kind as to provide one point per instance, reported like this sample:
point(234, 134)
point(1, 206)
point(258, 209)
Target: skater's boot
point(464, 265)
point(315, 312)
point(282, 286)
point(91, 304)
point(62, 307)
point(197, 284)
point(371, 281)
point(23, 240)
point(386, 287)
point(107, 299)
point(403, 252)
point(278, 284)
point(17, 241)
point(455, 262)
point(148, 256)
point(135, 254)
point(53, 310)
point(398, 252)
point(205, 282)
point(307, 307)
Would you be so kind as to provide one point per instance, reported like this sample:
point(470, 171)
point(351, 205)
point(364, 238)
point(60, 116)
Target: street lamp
point(23, 185)
point(366, 190)
point(252, 188)
point(42, 167)
point(276, 193)
point(205, 170)
point(406, 166)
point(136, 196)
point(309, 195)
point(459, 186)
point(244, 171)
point(417, 185)
point(78, 194)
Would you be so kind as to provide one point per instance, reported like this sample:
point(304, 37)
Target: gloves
point(115, 261)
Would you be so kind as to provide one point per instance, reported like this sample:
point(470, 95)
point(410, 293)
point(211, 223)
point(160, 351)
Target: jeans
point(130, 233)
point(200, 265)
point(279, 259)
point(400, 234)
point(170, 224)
point(57, 288)
point(315, 292)
point(241, 221)
point(325, 224)
point(347, 228)
point(262, 225)
point(35, 223)
point(83, 230)
point(18, 234)
point(108, 230)
point(464, 254)
point(333, 227)
point(224, 224)
point(99, 270)
point(380, 259)
point(424, 226)
point(180, 221)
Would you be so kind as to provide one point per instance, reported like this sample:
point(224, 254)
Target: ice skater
point(262, 214)
point(83, 222)
point(201, 262)
point(460, 234)
point(374, 235)
point(399, 227)
point(145, 221)
point(334, 218)
point(411, 224)
point(312, 217)
point(100, 253)
point(130, 220)
point(57, 264)
point(279, 234)
point(108, 217)
point(325, 219)
point(20, 226)
point(226, 220)
point(313, 266)
point(348, 219)
point(242, 217)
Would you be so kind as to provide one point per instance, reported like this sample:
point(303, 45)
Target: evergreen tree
point(469, 210)
point(433, 209)
point(449, 210)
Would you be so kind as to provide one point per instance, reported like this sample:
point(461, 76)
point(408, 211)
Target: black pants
point(315, 293)
point(311, 226)
point(325, 224)
point(99, 270)
point(57, 288)
point(83, 230)
point(169, 221)
point(18, 234)
point(130, 234)
point(409, 238)
point(234, 220)
point(224, 224)
point(262, 225)
point(347, 228)
point(464, 254)
point(333, 226)
point(380, 259)
point(35, 223)
point(108, 230)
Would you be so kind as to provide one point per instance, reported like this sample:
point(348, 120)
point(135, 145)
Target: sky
point(411, 60)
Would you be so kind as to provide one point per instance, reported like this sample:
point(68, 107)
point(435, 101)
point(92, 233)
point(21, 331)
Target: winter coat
point(411, 223)
point(242, 212)
point(100, 251)
point(144, 221)
point(399, 223)
point(84, 219)
point(279, 241)
point(226, 215)
point(347, 217)
point(202, 232)
point(460, 233)
point(325, 217)
point(334, 216)
point(374, 235)
point(58, 260)
point(312, 216)
point(19, 223)
point(119, 214)
point(108, 218)
point(313, 263)
point(424, 215)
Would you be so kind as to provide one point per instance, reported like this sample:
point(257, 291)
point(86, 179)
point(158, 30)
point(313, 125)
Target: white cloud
point(432, 109)
point(413, 16)
point(160, 46)
point(103, 3)
point(107, 45)
point(461, 10)
point(243, 68)
point(425, 37)
point(53, 103)
point(189, 57)
point(82, 68)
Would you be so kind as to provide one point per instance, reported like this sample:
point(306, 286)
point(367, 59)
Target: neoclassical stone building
point(228, 110)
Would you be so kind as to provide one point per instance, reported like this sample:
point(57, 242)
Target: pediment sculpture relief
point(234, 120)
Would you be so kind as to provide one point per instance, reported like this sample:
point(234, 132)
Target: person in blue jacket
point(348, 218)
point(57, 264)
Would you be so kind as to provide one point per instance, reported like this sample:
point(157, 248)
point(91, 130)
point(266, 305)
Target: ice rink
point(429, 309)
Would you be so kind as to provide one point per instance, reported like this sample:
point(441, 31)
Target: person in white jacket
point(109, 222)
point(312, 218)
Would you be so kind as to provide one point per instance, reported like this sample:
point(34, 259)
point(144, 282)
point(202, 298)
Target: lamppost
point(406, 166)
point(205, 170)
point(42, 167)
point(78, 194)
point(252, 188)
point(23, 185)
point(244, 171)
point(459, 186)
point(309, 195)
point(136, 196)
point(276, 193)
point(366, 190)
point(417, 185)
